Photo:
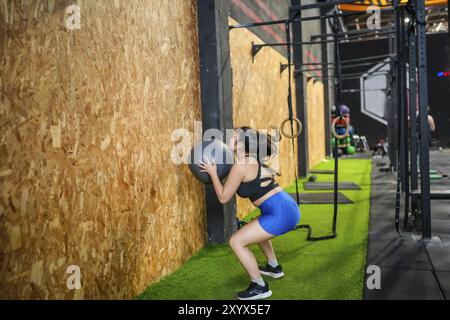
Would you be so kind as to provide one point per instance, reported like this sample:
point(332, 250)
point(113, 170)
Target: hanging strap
point(308, 228)
point(290, 105)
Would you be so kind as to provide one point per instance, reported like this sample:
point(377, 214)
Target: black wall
point(365, 126)
point(439, 88)
point(439, 95)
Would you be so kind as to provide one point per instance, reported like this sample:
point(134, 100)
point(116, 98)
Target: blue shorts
point(279, 214)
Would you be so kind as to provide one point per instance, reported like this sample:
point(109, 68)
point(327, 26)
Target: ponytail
point(259, 145)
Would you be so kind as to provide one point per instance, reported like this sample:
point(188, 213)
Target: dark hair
point(257, 144)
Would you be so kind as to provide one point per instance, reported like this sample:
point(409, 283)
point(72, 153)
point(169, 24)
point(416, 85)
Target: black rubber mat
point(444, 277)
point(397, 253)
point(405, 284)
point(321, 198)
point(439, 253)
point(406, 271)
point(322, 172)
point(330, 186)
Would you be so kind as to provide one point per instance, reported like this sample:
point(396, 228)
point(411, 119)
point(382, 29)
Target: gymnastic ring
point(292, 136)
point(347, 128)
point(277, 137)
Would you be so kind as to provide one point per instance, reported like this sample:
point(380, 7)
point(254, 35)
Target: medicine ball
point(341, 131)
point(351, 150)
point(212, 151)
point(344, 109)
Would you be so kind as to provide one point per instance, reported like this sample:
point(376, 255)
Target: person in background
point(431, 122)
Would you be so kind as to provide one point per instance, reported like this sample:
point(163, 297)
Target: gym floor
point(315, 270)
point(409, 271)
point(336, 269)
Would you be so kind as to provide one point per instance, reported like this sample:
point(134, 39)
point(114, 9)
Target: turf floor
point(328, 270)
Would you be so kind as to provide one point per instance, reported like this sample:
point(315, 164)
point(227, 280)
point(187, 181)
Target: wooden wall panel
point(86, 118)
point(316, 119)
point(260, 97)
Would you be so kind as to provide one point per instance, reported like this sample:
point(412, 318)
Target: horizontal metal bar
point(261, 24)
point(353, 75)
point(366, 90)
point(358, 65)
point(379, 57)
point(370, 74)
point(344, 62)
point(352, 33)
point(333, 79)
point(284, 21)
point(367, 35)
point(307, 43)
point(342, 67)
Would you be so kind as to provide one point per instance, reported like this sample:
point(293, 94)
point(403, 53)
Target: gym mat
point(405, 284)
point(321, 198)
point(330, 186)
point(406, 272)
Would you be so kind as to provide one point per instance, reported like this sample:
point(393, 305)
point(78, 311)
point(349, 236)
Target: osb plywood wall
point(86, 118)
point(260, 97)
point(316, 120)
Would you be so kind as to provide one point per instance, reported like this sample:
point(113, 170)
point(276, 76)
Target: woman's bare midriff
point(260, 201)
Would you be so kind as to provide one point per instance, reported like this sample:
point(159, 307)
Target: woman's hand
point(208, 167)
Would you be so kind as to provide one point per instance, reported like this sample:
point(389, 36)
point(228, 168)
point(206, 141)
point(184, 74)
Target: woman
point(251, 178)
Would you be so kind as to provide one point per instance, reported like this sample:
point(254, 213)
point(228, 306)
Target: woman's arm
point(225, 192)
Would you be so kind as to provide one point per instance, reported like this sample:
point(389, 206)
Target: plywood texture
point(86, 118)
point(260, 97)
point(316, 120)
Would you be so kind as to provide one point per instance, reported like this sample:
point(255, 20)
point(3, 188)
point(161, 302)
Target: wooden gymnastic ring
point(292, 136)
point(347, 128)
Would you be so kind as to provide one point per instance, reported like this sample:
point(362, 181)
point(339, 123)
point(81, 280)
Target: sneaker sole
point(258, 297)
point(273, 275)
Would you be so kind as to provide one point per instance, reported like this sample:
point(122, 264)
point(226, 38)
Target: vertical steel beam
point(338, 88)
point(404, 113)
point(216, 99)
point(413, 115)
point(301, 107)
point(328, 148)
point(392, 129)
point(399, 91)
point(424, 126)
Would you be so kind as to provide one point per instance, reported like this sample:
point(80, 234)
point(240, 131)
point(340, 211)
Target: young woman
point(251, 178)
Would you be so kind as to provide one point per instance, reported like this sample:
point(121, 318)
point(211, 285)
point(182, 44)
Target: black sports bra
point(254, 190)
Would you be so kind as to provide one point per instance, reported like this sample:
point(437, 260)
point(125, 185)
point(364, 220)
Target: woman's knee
point(236, 242)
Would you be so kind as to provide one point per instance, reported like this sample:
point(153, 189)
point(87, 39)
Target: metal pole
point(400, 95)
point(424, 127)
point(327, 108)
point(413, 115)
point(342, 67)
point(355, 33)
point(404, 113)
point(284, 21)
point(302, 111)
point(392, 111)
point(344, 63)
point(337, 59)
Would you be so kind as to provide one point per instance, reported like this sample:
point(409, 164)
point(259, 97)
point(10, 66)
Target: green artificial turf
point(331, 269)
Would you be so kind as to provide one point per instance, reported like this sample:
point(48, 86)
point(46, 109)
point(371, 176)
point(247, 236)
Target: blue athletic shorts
point(280, 214)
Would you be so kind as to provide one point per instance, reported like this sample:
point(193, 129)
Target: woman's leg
point(239, 242)
point(267, 248)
